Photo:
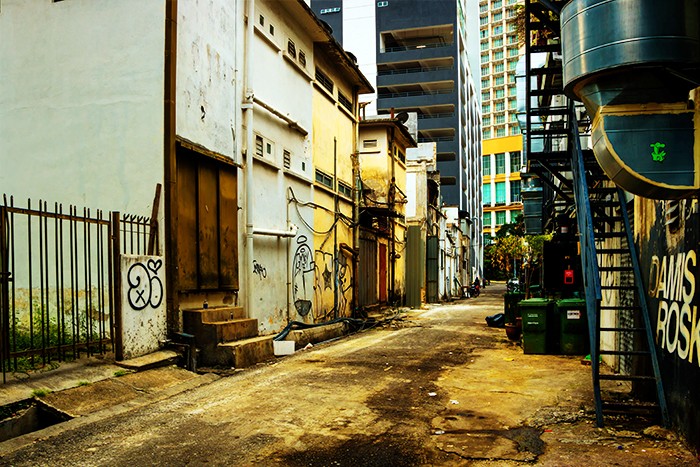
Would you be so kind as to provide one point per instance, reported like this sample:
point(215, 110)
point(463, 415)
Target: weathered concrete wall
point(668, 235)
point(207, 76)
point(81, 102)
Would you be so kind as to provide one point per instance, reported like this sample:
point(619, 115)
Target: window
point(500, 132)
point(512, 91)
point(500, 119)
point(486, 121)
point(324, 179)
point(501, 163)
point(515, 161)
point(344, 101)
point(272, 30)
point(487, 219)
point(498, 16)
point(287, 159)
point(497, 30)
point(382, 4)
point(512, 104)
point(514, 130)
point(262, 20)
point(483, 21)
point(500, 93)
point(369, 143)
point(486, 165)
point(500, 217)
point(512, 39)
point(485, 95)
point(486, 194)
point(513, 52)
point(484, 46)
point(291, 48)
point(484, 33)
point(325, 81)
point(486, 108)
point(512, 65)
point(344, 189)
point(484, 70)
point(496, 4)
point(268, 148)
point(487, 133)
point(302, 58)
point(498, 68)
point(485, 82)
point(498, 42)
point(499, 106)
point(515, 191)
point(498, 55)
point(499, 80)
point(513, 117)
point(259, 146)
point(484, 58)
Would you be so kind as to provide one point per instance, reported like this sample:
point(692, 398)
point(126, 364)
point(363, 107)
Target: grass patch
point(41, 392)
point(84, 383)
point(119, 373)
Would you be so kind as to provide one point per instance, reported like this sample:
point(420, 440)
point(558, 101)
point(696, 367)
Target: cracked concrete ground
point(432, 387)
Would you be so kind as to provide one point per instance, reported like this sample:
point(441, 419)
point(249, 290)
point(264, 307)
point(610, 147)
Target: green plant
point(84, 383)
point(41, 392)
point(119, 373)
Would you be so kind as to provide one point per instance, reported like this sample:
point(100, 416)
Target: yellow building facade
point(501, 164)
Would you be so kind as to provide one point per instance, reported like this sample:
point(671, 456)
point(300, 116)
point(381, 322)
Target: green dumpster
point(574, 326)
point(510, 305)
point(534, 313)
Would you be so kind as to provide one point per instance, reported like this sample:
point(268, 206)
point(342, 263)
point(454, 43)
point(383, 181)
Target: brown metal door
point(367, 274)
point(382, 273)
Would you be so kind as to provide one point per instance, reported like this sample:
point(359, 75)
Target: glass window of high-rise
point(501, 193)
point(515, 161)
point(500, 163)
point(515, 191)
point(487, 219)
point(500, 217)
point(500, 132)
point(486, 194)
point(486, 166)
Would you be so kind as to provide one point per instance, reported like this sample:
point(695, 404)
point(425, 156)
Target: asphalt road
point(431, 387)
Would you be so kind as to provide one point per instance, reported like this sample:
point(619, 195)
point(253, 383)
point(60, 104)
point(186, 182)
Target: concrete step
point(246, 352)
point(213, 314)
point(232, 330)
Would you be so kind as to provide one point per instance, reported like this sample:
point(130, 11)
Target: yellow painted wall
point(332, 147)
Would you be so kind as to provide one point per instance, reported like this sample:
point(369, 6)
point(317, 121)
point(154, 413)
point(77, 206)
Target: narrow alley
point(435, 387)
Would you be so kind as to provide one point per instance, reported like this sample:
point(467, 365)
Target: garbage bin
point(573, 339)
point(534, 313)
point(510, 305)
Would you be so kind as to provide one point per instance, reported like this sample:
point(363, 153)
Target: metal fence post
point(117, 289)
point(4, 293)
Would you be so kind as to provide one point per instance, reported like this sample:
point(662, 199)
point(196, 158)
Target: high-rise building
point(418, 54)
point(503, 144)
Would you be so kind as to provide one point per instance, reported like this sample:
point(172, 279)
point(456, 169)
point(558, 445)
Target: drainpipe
point(335, 228)
point(170, 168)
point(355, 207)
point(248, 109)
point(392, 198)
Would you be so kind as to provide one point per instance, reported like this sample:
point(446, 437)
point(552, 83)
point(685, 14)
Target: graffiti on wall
point(303, 276)
point(145, 287)
point(316, 275)
point(259, 270)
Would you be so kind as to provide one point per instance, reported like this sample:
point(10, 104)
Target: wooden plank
point(228, 222)
point(187, 222)
point(208, 225)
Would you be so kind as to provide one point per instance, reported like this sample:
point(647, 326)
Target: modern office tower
point(503, 144)
point(418, 53)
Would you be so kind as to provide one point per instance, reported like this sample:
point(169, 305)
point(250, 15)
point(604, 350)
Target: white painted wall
point(207, 77)
point(81, 101)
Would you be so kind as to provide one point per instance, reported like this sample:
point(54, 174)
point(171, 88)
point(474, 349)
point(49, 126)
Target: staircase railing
point(589, 260)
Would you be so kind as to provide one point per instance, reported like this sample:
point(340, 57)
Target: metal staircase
point(616, 303)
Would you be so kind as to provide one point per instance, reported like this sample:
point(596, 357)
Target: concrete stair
point(226, 337)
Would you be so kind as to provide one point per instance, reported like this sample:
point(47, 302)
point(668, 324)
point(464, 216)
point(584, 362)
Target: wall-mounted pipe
point(292, 232)
point(633, 64)
point(248, 109)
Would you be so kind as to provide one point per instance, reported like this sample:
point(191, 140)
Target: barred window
point(291, 49)
point(287, 159)
point(344, 101)
point(325, 81)
point(258, 146)
point(302, 58)
point(344, 189)
point(324, 179)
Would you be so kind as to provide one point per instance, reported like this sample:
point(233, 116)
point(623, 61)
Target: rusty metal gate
point(432, 256)
point(56, 281)
point(367, 280)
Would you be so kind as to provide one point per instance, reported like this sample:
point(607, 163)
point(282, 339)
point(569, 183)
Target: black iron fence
point(57, 281)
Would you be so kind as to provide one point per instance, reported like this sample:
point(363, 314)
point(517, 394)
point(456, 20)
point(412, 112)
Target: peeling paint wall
point(207, 78)
point(668, 236)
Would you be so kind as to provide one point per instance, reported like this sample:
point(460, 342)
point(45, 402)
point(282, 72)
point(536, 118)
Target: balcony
point(415, 75)
point(412, 99)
